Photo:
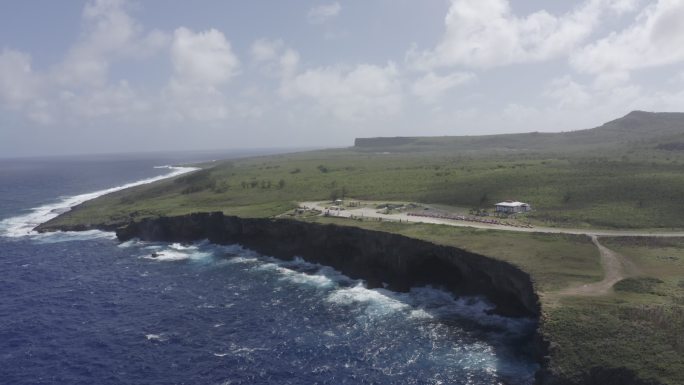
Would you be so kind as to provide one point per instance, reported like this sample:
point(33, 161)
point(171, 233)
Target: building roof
point(511, 204)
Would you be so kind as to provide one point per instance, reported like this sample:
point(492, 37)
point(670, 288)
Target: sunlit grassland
point(554, 261)
point(586, 192)
point(632, 185)
point(639, 326)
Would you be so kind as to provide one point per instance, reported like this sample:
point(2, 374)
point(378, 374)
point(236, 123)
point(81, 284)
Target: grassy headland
point(626, 174)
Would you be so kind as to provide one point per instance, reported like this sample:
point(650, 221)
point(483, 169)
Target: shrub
point(643, 285)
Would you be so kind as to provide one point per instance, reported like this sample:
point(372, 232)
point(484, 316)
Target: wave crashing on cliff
point(462, 331)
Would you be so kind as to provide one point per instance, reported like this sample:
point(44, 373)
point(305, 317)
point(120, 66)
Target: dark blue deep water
point(81, 308)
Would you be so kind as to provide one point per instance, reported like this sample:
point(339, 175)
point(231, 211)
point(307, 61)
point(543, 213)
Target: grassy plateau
point(626, 174)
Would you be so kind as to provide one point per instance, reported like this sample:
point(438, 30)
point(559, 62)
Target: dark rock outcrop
point(377, 257)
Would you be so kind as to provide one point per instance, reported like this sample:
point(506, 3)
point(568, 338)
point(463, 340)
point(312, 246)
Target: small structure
point(338, 202)
point(512, 207)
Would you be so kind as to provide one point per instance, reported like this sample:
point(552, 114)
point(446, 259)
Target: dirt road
point(368, 212)
point(615, 266)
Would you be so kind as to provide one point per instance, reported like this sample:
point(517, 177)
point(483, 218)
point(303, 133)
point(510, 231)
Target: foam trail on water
point(378, 302)
point(23, 225)
point(64, 236)
point(179, 252)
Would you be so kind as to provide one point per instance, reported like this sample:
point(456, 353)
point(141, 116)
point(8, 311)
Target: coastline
point(283, 238)
point(27, 224)
point(383, 260)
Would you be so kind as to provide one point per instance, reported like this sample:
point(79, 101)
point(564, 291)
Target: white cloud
point(203, 58)
point(519, 113)
point(573, 102)
point(274, 57)
point(109, 33)
point(431, 86)
point(656, 38)
point(566, 92)
point(194, 103)
point(363, 92)
point(203, 62)
point(78, 87)
point(486, 33)
point(322, 13)
point(289, 62)
point(18, 83)
point(266, 50)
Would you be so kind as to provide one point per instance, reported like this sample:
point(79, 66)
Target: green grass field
point(639, 325)
point(580, 192)
point(627, 174)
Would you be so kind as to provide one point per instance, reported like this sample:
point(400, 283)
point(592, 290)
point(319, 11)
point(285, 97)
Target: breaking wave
point(23, 225)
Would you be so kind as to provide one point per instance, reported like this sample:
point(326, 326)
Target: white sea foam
point(299, 271)
point(430, 302)
point(127, 244)
point(378, 302)
point(179, 247)
point(237, 260)
point(167, 255)
point(420, 314)
point(178, 252)
point(155, 337)
point(317, 280)
point(23, 225)
point(66, 236)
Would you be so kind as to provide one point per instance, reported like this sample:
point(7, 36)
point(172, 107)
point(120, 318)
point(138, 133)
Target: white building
point(512, 207)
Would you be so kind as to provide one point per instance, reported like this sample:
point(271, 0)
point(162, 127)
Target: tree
point(281, 184)
point(334, 194)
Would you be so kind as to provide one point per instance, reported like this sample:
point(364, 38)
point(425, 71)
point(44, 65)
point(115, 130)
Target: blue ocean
point(83, 308)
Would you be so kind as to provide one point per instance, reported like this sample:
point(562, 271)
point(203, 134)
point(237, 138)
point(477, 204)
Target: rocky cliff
point(377, 257)
point(381, 259)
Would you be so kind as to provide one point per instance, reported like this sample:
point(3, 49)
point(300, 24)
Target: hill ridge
point(651, 129)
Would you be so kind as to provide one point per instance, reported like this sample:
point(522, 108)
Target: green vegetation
point(639, 326)
point(613, 332)
point(631, 182)
point(554, 260)
point(645, 285)
point(625, 174)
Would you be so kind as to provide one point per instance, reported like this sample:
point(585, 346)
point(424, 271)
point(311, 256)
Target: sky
point(107, 76)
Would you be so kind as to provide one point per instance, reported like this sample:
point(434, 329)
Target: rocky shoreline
point(381, 259)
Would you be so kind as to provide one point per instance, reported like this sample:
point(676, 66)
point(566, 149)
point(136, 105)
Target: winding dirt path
point(615, 267)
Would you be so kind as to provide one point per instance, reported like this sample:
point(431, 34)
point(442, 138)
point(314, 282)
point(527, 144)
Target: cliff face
point(377, 257)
